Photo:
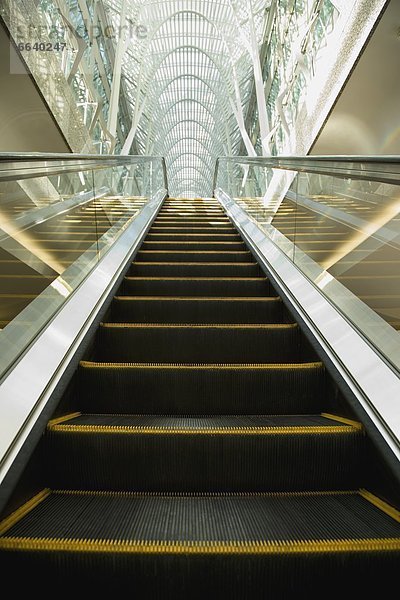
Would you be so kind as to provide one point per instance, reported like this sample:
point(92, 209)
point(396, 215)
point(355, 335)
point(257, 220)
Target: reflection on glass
point(343, 233)
point(53, 231)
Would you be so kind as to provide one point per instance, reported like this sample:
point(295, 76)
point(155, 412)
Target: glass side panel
point(53, 232)
point(342, 232)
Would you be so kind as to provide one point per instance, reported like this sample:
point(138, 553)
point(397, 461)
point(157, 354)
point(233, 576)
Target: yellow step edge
point(234, 252)
point(183, 230)
point(23, 510)
point(211, 223)
point(381, 504)
point(132, 278)
point(186, 234)
point(341, 419)
point(202, 431)
point(161, 242)
point(190, 264)
point(234, 494)
point(191, 213)
point(224, 225)
point(191, 210)
point(199, 326)
point(192, 206)
point(67, 417)
point(179, 220)
point(85, 364)
point(237, 547)
point(200, 298)
point(176, 213)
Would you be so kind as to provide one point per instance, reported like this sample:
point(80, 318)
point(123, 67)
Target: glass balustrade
point(58, 218)
point(338, 220)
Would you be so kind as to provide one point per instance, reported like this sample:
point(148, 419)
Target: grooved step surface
point(194, 256)
point(198, 310)
point(198, 343)
point(193, 269)
point(221, 453)
point(208, 518)
point(262, 424)
point(203, 230)
point(193, 220)
point(203, 389)
point(194, 246)
point(192, 286)
point(153, 236)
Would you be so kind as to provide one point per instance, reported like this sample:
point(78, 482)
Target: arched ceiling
point(182, 75)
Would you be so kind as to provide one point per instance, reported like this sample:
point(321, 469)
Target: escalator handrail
point(22, 165)
point(382, 169)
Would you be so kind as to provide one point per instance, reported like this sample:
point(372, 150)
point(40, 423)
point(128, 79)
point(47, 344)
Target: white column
point(116, 80)
point(259, 84)
point(131, 135)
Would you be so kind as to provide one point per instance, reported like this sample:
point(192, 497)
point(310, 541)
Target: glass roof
point(181, 70)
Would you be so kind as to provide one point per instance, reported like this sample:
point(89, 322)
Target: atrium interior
point(200, 296)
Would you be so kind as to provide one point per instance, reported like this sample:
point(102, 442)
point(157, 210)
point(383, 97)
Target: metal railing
point(23, 165)
point(385, 169)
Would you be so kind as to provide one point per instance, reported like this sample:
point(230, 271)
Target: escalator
point(202, 447)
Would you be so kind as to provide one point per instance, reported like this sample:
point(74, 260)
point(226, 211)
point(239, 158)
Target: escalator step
point(122, 342)
point(203, 389)
point(193, 213)
point(194, 246)
point(194, 269)
point(192, 222)
point(195, 286)
point(220, 453)
point(193, 256)
point(192, 237)
point(170, 545)
point(224, 230)
point(163, 309)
